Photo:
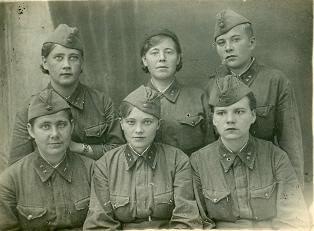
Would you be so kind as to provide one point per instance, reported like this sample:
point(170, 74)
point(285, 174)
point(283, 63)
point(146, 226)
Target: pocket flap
point(265, 192)
point(263, 110)
point(164, 198)
point(215, 196)
point(96, 131)
point(191, 120)
point(82, 204)
point(30, 212)
point(119, 201)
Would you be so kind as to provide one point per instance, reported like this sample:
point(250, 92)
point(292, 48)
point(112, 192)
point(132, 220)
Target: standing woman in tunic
point(142, 184)
point(184, 110)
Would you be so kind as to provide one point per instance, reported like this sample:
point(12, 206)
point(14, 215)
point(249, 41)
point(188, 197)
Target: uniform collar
point(247, 155)
point(149, 156)
point(247, 76)
point(77, 98)
point(171, 93)
point(45, 170)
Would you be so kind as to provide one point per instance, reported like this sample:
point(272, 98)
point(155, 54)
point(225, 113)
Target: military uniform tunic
point(153, 190)
point(36, 196)
point(185, 119)
point(277, 114)
point(94, 124)
point(254, 188)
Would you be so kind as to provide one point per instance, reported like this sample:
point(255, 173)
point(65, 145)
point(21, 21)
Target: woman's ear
point(30, 130)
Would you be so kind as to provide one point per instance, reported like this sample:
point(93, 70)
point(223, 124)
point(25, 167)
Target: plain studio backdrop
point(112, 31)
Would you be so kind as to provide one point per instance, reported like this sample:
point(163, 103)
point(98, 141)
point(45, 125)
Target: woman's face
point(139, 129)
point(162, 59)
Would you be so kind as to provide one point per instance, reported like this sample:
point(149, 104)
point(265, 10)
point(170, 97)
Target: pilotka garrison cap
point(46, 102)
point(226, 20)
point(66, 36)
point(146, 100)
point(227, 91)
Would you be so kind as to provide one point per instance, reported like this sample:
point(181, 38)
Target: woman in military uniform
point(241, 181)
point(184, 110)
point(142, 184)
point(48, 189)
point(96, 130)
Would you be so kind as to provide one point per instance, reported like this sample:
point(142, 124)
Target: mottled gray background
point(112, 30)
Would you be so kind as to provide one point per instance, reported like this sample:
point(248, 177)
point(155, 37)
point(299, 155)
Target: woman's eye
point(45, 126)
point(130, 122)
point(148, 122)
point(74, 58)
point(61, 125)
point(58, 58)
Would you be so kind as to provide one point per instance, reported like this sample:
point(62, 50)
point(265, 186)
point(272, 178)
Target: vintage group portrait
point(156, 114)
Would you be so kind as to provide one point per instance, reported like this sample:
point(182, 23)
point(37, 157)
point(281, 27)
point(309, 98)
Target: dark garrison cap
point(227, 91)
point(226, 20)
point(66, 36)
point(146, 100)
point(46, 102)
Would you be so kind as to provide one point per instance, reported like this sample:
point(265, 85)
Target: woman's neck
point(235, 145)
point(162, 85)
point(67, 91)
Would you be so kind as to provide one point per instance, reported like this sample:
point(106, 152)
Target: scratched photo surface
point(112, 32)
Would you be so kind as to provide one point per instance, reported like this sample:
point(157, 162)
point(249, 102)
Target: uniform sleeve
point(209, 127)
point(185, 213)
point(197, 188)
point(8, 211)
point(288, 129)
point(291, 208)
point(21, 141)
point(113, 137)
point(100, 214)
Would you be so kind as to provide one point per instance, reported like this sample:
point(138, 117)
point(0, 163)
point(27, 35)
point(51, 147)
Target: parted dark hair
point(125, 109)
point(155, 39)
point(68, 111)
point(45, 51)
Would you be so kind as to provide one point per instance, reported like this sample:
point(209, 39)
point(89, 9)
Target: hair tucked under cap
point(146, 100)
point(45, 103)
point(226, 20)
point(66, 36)
point(227, 91)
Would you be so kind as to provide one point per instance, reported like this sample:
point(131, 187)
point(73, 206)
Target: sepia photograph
point(156, 114)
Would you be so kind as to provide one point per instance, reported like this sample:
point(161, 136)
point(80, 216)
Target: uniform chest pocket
point(79, 213)
point(263, 202)
point(265, 122)
point(31, 217)
point(121, 207)
point(218, 205)
point(263, 111)
point(191, 120)
point(163, 205)
point(96, 131)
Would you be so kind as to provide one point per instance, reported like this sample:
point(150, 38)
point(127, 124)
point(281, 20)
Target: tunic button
point(215, 200)
point(29, 217)
point(45, 171)
point(266, 194)
point(41, 166)
point(256, 218)
point(228, 158)
point(193, 123)
point(248, 157)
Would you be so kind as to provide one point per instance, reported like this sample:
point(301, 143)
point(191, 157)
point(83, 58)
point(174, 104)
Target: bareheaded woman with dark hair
point(184, 110)
point(96, 130)
point(142, 184)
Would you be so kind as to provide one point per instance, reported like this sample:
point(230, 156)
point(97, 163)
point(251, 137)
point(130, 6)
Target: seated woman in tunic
point(48, 189)
point(241, 181)
point(142, 184)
